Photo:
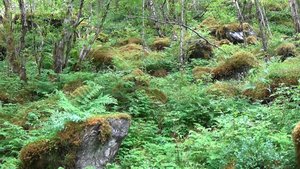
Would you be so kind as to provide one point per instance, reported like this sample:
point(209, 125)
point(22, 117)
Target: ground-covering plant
point(198, 95)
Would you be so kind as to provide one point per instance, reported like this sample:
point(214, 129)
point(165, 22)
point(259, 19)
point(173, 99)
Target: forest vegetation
point(205, 84)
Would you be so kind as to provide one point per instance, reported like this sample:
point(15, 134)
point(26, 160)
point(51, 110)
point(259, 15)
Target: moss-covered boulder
point(223, 89)
point(199, 49)
point(211, 24)
point(200, 72)
point(235, 67)
point(285, 73)
point(296, 140)
point(131, 40)
point(234, 32)
point(93, 143)
point(286, 50)
point(161, 43)
point(159, 73)
point(102, 56)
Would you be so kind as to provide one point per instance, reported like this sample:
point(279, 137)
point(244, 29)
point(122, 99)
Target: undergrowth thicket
point(235, 109)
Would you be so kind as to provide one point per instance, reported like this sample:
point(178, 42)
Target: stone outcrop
point(92, 143)
point(93, 153)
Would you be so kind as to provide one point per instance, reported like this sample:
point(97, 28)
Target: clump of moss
point(223, 42)
point(261, 92)
point(35, 155)
point(200, 50)
point(224, 89)
point(131, 47)
point(159, 73)
point(156, 61)
point(4, 97)
point(231, 165)
point(102, 56)
point(199, 72)
point(286, 50)
point(285, 73)
point(137, 41)
point(102, 37)
point(157, 95)
point(104, 129)
point(296, 140)
point(222, 31)
point(139, 78)
point(161, 43)
point(129, 56)
point(252, 40)
point(71, 133)
point(235, 67)
point(72, 86)
point(211, 23)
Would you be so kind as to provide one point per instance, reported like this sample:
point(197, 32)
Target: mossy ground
point(232, 105)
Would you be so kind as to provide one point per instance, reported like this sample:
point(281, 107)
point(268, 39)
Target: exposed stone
point(92, 143)
point(93, 153)
point(234, 32)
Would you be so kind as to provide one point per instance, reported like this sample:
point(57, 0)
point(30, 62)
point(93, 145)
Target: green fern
point(86, 100)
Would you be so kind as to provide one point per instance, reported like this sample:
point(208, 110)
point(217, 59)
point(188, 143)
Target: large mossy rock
point(199, 49)
point(296, 140)
point(92, 143)
point(235, 67)
point(235, 32)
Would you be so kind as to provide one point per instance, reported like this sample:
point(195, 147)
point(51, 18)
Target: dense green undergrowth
point(197, 115)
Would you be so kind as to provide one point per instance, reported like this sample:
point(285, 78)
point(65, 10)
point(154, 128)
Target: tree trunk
point(155, 17)
point(295, 14)
point(182, 56)
point(11, 50)
point(241, 19)
point(262, 24)
point(172, 12)
point(143, 25)
point(22, 70)
point(87, 48)
point(63, 47)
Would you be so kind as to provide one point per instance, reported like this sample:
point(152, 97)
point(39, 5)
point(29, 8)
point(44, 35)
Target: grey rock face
point(93, 153)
